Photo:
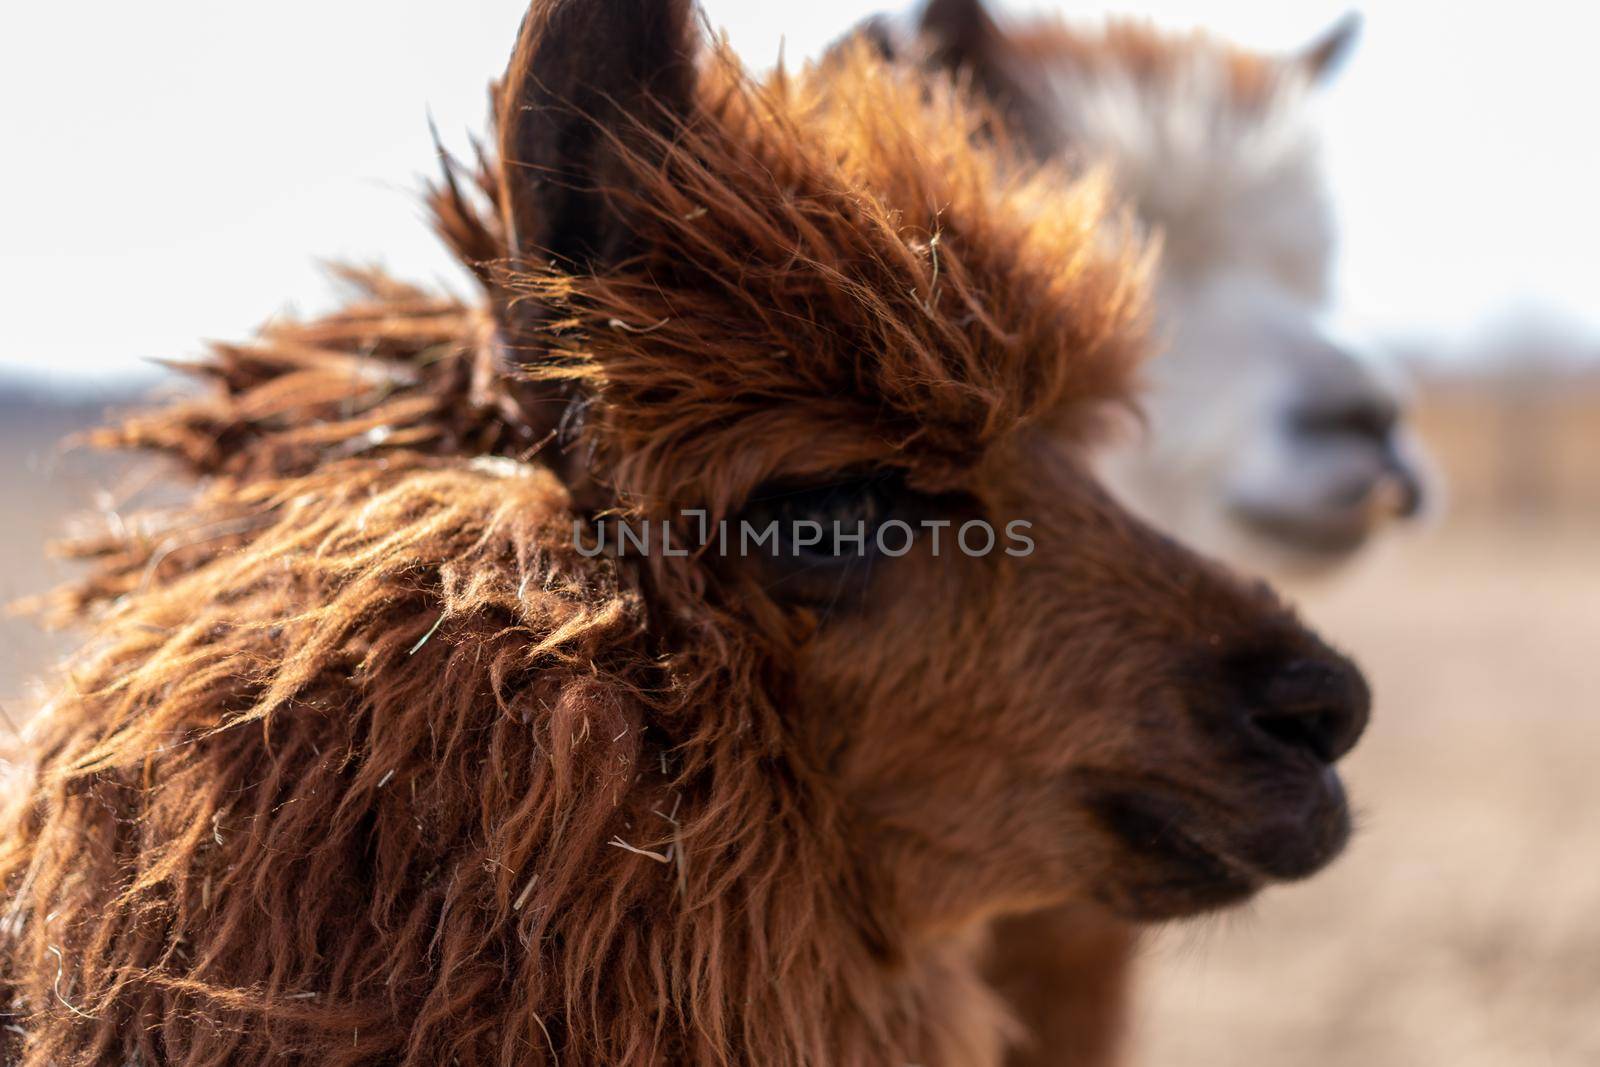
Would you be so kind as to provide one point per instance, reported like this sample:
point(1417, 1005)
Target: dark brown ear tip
point(878, 31)
point(1329, 52)
point(957, 23)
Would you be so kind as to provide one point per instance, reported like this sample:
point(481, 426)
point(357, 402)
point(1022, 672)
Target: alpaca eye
point(825, 544)
point(833, 524)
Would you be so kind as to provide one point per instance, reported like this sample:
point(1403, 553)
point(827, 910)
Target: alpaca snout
point(1295, 714)
point(1319, 705)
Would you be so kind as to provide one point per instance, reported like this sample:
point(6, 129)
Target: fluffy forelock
point(836, 268)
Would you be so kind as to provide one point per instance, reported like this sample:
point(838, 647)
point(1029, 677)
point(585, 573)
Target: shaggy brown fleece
point(362, 763)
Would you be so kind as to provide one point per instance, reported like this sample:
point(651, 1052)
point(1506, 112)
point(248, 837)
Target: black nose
point(1320, 705)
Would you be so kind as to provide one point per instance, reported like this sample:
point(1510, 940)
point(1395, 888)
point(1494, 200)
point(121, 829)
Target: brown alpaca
point(369, 762)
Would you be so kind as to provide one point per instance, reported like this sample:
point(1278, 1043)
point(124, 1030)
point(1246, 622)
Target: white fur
point(1237, 198)
point(1227, 190)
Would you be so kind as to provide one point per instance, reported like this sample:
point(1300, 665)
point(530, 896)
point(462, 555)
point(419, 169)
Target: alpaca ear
point(963, 37)
point(585, 74)
point(1322, 58)
point(961, 34)
point(954, 35)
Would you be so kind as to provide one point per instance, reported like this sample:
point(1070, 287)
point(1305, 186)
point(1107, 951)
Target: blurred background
point(177, 170)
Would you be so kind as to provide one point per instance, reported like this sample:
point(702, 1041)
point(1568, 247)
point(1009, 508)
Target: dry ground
point(1463, 928)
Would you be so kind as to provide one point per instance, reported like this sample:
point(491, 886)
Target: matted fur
point(363, 763)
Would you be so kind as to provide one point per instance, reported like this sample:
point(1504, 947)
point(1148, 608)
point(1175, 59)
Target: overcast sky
point(174, 170)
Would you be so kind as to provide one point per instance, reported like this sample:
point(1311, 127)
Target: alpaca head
point(1268, 441)
point(812, 301)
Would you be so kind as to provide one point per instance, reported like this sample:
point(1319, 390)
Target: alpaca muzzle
point(1251, 797)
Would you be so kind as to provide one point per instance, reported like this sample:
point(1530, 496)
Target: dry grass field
point(1463, 927)
point(41, 483)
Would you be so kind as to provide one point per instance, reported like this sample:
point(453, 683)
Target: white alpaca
point(1267, 442)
